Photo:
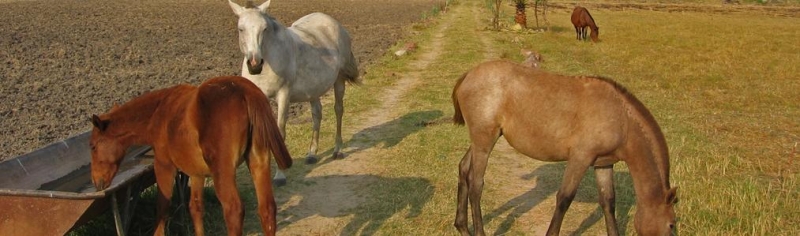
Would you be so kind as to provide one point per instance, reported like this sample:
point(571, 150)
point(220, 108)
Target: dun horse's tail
point(350, 70)
point(458, 118)
point(264, 127)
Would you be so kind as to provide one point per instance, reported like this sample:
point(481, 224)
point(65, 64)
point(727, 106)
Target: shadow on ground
point(369, 199)
point(524, 203)
point(388, 134)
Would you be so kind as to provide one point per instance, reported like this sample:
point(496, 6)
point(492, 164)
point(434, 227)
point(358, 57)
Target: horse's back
point(320, 28)
point(542, 115)
point(324, 55)
point(576, 16)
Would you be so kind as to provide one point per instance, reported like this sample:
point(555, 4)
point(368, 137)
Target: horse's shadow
point(528, 200)
point(367, 197)
point(336, 196)
point(389, 133)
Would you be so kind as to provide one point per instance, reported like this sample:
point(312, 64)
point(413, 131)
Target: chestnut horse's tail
point(458, 118)
point(265, 130)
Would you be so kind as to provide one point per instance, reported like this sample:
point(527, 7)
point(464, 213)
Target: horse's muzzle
point(100, 185)
point(254, 67)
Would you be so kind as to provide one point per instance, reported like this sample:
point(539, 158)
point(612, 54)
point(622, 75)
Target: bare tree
point(496, 14)
point(543, 4)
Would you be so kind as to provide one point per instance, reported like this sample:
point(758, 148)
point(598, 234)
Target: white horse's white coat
point(297, 64)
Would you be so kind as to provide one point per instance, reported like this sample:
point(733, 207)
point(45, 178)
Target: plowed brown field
point(61, 61)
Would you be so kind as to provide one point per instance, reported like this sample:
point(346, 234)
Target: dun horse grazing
point(584, 121)
point(297, 64)
point(202, 131)
point(582, 19)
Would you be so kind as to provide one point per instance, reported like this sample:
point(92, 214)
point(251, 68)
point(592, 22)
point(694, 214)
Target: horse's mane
point(142, 105)
point(250, 4)
point(657, 135)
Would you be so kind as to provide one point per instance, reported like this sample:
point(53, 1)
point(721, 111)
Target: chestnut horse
point(202, 131)
point(585, 121)
point(582, 19)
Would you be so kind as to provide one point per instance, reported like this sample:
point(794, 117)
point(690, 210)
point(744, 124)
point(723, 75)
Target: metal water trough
point(49, 191)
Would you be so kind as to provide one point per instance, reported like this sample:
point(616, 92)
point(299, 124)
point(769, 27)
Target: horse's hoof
point(278, 182)
point(311, 160)
point(338, 155)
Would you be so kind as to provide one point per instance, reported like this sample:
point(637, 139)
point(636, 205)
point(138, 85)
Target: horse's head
point(658, 217)
point(594, 34)
point(107, 153)
point(253, 27)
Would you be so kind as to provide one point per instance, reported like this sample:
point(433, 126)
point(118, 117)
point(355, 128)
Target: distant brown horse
point(585, 121)
point(582, 19)
point(202, 131)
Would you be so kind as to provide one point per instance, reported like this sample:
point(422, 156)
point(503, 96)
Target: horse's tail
point(265, 132)
point(350, 70)
point(458, 118)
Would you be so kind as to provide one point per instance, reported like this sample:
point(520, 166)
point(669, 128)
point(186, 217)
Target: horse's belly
point(189, 161)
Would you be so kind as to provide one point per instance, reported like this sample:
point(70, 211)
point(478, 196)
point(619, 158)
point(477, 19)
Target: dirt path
point(322, 208)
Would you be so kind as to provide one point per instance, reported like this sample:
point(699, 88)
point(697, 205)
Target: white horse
point(297, 64)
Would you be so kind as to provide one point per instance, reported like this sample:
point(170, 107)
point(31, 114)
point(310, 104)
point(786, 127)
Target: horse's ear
point(672, 196)
point(99, 123)
point(264, 6)
point(235, 7)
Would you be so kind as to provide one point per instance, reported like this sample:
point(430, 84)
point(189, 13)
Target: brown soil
point(62, 61)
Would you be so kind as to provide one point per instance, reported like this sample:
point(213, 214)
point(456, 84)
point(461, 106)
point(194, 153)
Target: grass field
point(724, 88)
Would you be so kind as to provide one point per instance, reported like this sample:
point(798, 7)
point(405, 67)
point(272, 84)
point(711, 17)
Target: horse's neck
point(647, 157)
point(281, 44)
point(590, 21)
point(132, 119)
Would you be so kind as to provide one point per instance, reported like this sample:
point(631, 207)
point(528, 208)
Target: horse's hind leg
point(480, 158)
point(338, 106)
point(316, 118)
point(259, 170)
point(224, 175)
point(605, 187)
point(576, 168)
point(463, 188)
point(196, 203)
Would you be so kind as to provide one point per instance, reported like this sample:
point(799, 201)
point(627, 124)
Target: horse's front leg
point(282, 99)
point(576, 168)
point(577, 32)
point(338, 106)
point(196, 207)
point(605, 186)
point(165, 179)
point(316, 118)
